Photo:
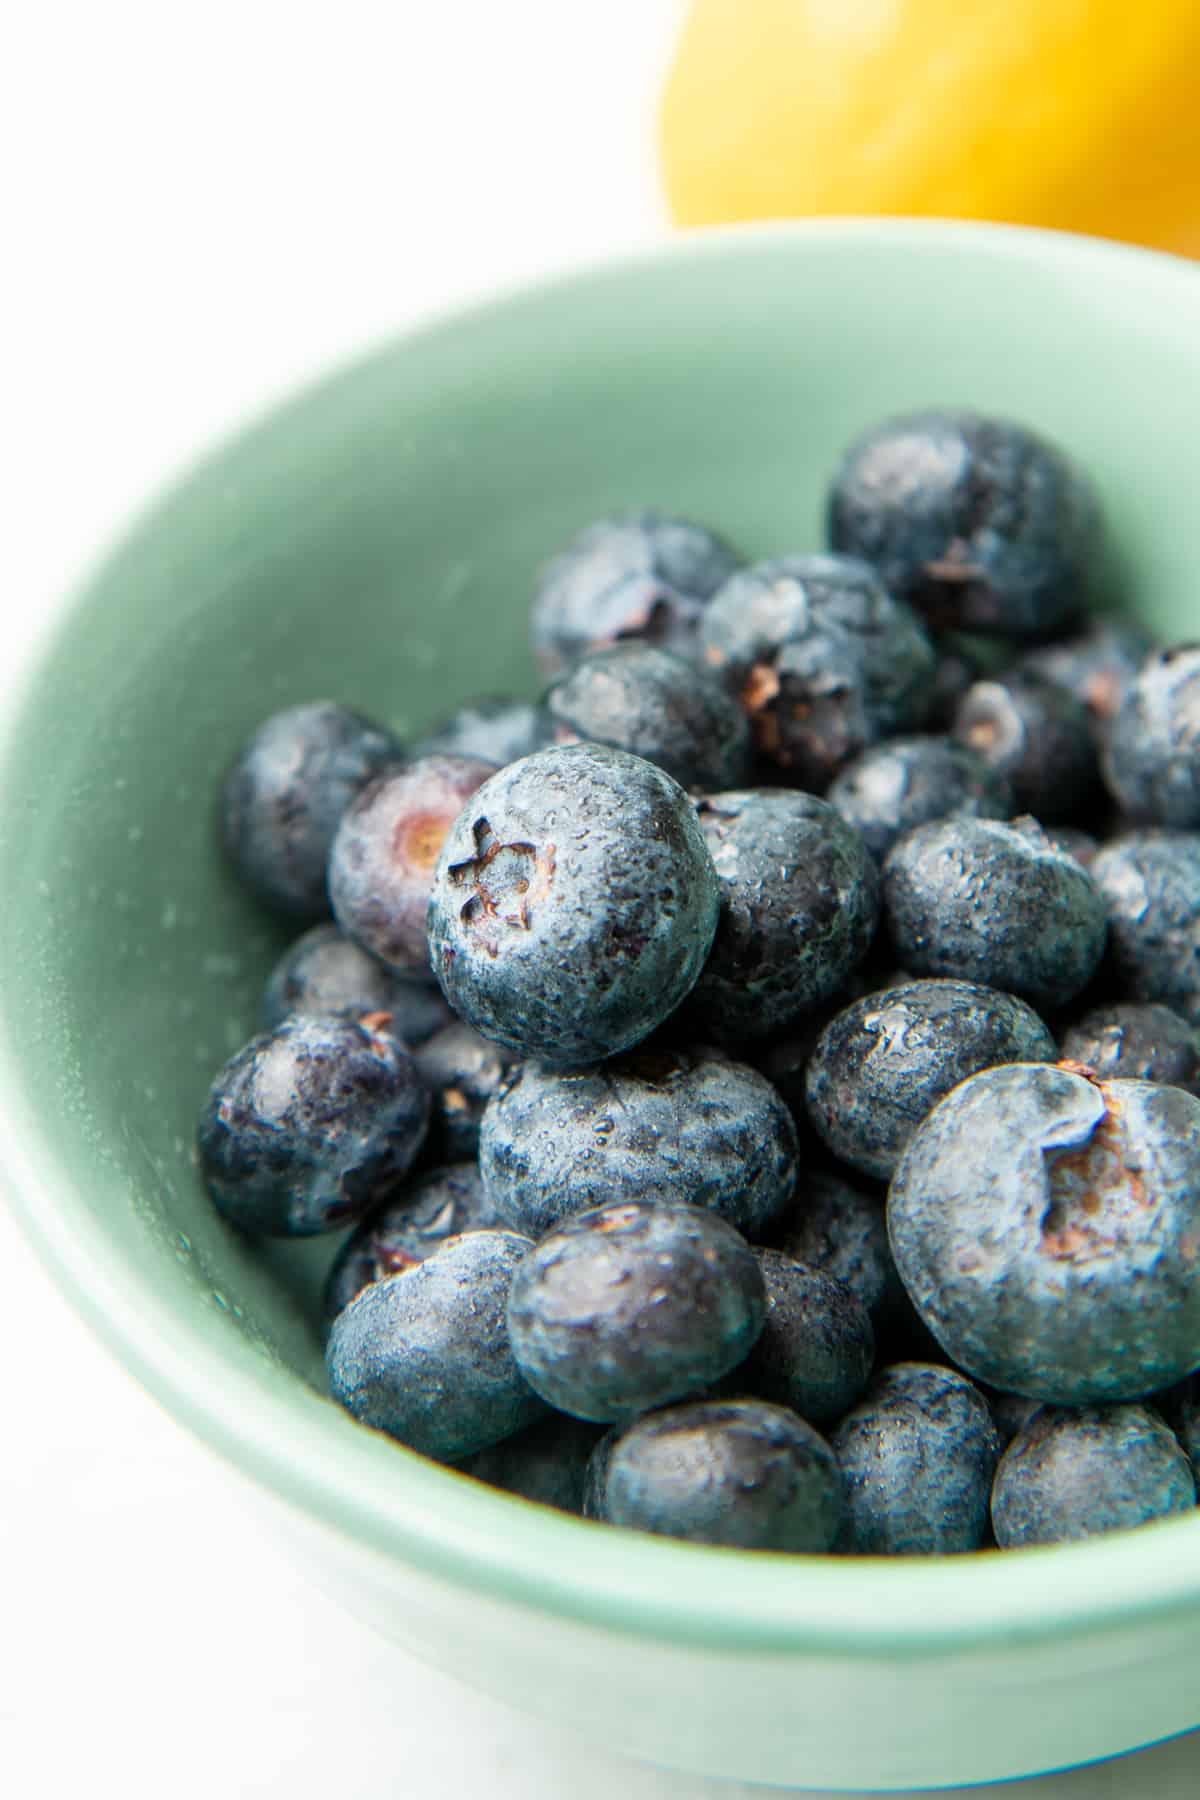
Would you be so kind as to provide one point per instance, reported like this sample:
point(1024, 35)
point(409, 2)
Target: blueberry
point(1149, 881)
point(881, 1065)
point(655, 705)
point(425, 1355)
point(978, 522)
point(1136, 1043)
point(488, 730)
point(823, 660)
point(917, 1457)
point(325, 972)
point(799, 907)
point(1097, 667)
point(412, 1223)
point(574, 904)
point(655, 1124)
point(642, 575)
point(310, 1124)
point(1073, 1473)
point(911, 781)
point(284, 794)
point(628, 1307)
point(1036, 736)
point(462, 1072)
point(1047, 1228)
point(994, 903)
point(817, 1346)
point(1151, 755)
point(387, 846)
point(546, 1463)
point(833, 1226)
point(736, 1472)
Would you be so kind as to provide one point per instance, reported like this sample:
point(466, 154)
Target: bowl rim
point(454, 1528)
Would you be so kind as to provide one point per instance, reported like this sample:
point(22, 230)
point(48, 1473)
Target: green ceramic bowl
point(375, 540)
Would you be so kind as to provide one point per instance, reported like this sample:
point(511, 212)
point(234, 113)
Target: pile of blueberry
point(762, 1077)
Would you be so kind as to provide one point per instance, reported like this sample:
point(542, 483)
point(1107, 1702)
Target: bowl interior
point(375, 541)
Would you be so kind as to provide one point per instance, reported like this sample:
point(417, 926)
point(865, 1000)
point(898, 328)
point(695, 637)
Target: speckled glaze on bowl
point(375, 541)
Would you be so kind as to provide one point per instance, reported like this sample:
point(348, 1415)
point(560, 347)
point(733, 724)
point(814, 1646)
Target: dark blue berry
point(917, 1456)
point(1151, 754)
point(325, 972)
point(978, 522)
point(412, 1223)
point(799, 908)
point(574, 904)
point(1097, 666)
point(998, 904)
point(835, 1227)
point(656, 705)
point(1047, 1228)
point(817, 1346)
point(310, 1124)
point(911, 781)
point(387, 847)
point(823, 660)
point(655, 1124)
point(462, 1071)
point(881, 1065)
point(546, 1463)
point(1136, 1043)
point(629, 1307)
point(641, 575)
point(736, 1472)
point(1038, 738)
point(488, 730)
point(425, 1355)
point(1073, 1473)
point(1149, 881)
point(283, 798)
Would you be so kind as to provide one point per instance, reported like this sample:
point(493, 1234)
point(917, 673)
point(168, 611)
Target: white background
point(203, 203)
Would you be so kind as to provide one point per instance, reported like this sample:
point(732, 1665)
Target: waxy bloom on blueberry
point(980, 523)
point(574, 904)
point(1047, 1228)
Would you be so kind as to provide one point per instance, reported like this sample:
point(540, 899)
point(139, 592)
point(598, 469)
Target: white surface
point(210, 201)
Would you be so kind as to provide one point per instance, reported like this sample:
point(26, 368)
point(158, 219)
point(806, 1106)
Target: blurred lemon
point(1082, 114)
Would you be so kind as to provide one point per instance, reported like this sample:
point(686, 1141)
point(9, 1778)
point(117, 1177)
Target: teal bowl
point(375, 540)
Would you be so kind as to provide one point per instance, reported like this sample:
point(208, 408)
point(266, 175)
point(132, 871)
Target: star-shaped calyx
point(505, 882)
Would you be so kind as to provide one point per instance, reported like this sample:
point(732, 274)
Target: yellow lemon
point(1081, 114)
